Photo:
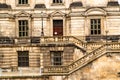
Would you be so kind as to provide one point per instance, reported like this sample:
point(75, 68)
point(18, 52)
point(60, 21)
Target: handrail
point(87, 58)
point(55, 69)
point(84, 60)
point(63, 39)
point(77, 64)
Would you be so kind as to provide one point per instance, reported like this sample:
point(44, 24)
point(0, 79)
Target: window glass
point(23, 58)
point(57, 1)
point(23, 28)
point(56, 57)
point(95, 26)
point(23, 2)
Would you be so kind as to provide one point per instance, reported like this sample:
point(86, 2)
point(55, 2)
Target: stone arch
point(95, 12)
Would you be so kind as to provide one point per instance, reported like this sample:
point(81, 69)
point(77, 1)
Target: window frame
point(95, 26)
point(57, 1)
point(23, 60)
point(25, 28)
point(55, 56)
point(22, 4)
point(62, 2)
point(88, 25)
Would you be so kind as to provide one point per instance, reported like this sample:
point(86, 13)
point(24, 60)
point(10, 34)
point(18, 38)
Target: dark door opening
point(57, 27)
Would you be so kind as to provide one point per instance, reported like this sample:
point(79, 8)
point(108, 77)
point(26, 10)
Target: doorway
point(57, 27)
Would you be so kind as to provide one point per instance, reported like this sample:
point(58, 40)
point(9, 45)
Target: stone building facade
point(59, 40)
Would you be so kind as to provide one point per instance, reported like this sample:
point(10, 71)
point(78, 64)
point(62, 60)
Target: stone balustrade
point(114, 46)
point(93, 45)
point(77, 64)
point(22, 40)
point(63, 39)
point(87, 58)
point(55, 39)
point(82, 61)
point(55, 69)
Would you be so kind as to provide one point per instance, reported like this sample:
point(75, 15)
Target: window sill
point(23, 5)
point(57, 4)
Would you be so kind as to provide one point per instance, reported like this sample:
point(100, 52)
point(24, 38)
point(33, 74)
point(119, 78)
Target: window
point(23, 59)
point(23, 28)
point(95, 26)
point(23, 2)
point(56, 57)
point(57, 1)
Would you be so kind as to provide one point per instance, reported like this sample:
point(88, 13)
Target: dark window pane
point(91, 31)
point(99, 31)
point(57, 1)
point(23, 59)
point(98, 26)
point(23, 2)
point(95, 31)
point(23, 28)
point(95, 26)
point(56, 57)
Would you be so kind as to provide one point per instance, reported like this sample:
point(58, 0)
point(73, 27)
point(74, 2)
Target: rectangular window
point(95, 26)
point(57, 1)
point(56, 57)
point(23, 58)
point(23, 2)
point(23, 28)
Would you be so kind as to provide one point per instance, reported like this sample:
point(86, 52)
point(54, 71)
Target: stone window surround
point(23, 28)
point(55, 58)
point(57, 1)
point(56, 4)
point(24, 5)
point(57, 18)
point(88, 24)
point(17, 26)
point(24, 58)
point(95, 26)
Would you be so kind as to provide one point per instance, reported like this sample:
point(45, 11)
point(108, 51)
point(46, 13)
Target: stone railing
point(78, 42)
point(82, 61)
point(113, 46)
point(75, 65)
point(86, 59)
point(55, 70)
point(63, 39)
point(93, 45)
point(54, 39)
point(110, 47)
point(44, 40)
point(22, 40)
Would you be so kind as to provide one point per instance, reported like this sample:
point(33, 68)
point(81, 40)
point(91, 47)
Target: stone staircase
point(66, 70)
point(63, 40)
point(78, 64)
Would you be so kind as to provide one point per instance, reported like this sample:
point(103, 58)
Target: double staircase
point(86, 59)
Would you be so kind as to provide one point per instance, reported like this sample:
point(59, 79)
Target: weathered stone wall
point(103, 68)
point(9, 56)
point(67, 54)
